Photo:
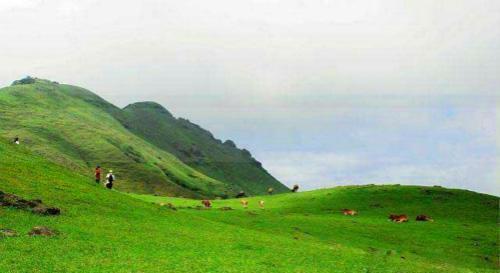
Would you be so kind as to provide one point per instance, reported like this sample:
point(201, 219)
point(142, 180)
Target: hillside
point(108, 231)
point(79, 130)
point(72, 127)
point(199, 149)
point(462, 238)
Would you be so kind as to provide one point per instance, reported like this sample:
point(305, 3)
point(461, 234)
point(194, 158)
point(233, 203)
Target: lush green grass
point(199, 148)
point(464, 233)
point(76, 128)
point(109, 231)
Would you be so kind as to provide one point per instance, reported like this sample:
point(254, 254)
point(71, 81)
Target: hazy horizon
point(323, 93)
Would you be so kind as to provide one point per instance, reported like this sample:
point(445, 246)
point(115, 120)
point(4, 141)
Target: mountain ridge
point(199, 148)
point(77, 128)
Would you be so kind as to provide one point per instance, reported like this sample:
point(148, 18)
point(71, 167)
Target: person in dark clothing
point(110, 178)
point(98, 174)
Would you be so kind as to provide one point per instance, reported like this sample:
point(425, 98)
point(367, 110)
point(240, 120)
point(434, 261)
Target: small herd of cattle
point(397, 218)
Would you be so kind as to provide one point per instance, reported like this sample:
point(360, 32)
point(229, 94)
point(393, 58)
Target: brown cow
point(425, 218)
point(206, 203)
point(349, 212)
point(244, 203)
point(398, 218)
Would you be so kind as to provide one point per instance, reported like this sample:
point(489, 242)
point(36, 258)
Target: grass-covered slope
point(74, 127)
point(199, 149)
point(463, 237)
point(108, 231)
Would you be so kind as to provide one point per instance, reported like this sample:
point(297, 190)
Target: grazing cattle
point(295, 188)
point(240, 194)
point(270, 191)
point(424, 218)
point(261, 204)
point(398, 218)
point(244, 203)
point(206, 203)
point(349, 212)
point(169, 205)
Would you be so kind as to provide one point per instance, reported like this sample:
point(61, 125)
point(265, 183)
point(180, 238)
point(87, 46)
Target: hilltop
point(199, 149)
point(73, 127)
point(108, 231)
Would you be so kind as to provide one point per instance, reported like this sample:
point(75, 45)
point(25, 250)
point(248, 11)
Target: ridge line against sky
point(322, 92)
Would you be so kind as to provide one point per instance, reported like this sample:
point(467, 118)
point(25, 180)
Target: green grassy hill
point(464, 233)
point(108, 231)
point(199, 149)
point(75, 128)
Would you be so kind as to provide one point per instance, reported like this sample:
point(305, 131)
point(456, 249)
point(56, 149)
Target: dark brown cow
point(424, 218)
point(240, 194)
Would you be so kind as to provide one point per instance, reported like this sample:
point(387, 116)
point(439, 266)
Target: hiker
point(16, 140)
point(110, 178)
point(98, 174)
point(270, 191)
point(295, 188)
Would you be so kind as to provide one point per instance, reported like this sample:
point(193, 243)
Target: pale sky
point(324, 93)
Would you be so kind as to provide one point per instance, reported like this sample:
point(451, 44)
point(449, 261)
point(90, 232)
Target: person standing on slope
point(110, 178)
point(98, 174)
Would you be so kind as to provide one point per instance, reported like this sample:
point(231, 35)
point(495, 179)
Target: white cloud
point(10, 5)
point(309, 168)
point(359, 82)
point(319, 170)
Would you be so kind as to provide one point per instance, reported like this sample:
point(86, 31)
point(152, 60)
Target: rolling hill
point(73, 127)
point(199, 149)
point(109, 231)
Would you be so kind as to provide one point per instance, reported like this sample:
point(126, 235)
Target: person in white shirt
point(110, 178)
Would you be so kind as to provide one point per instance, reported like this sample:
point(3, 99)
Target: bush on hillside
point(27, 80)
point(230, 143)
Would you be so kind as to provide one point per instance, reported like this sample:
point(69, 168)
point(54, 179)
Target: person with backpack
point(98, 174)
point(110, 178)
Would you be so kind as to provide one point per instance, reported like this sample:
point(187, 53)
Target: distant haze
point(324, 93)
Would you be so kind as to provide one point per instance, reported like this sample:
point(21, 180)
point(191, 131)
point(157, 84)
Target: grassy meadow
point(111, 231)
